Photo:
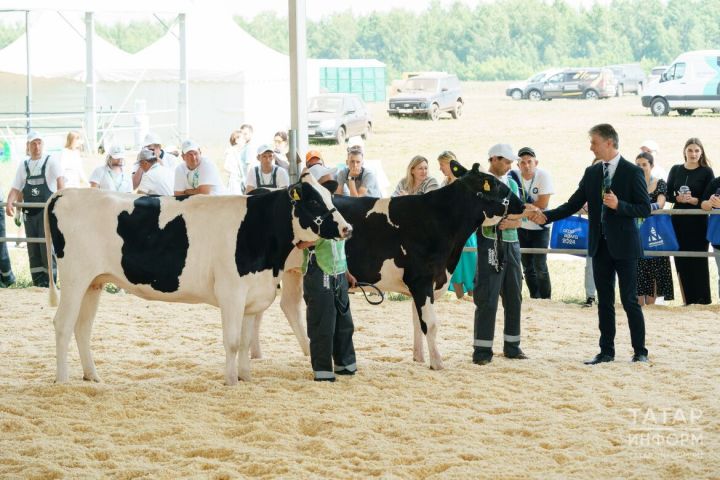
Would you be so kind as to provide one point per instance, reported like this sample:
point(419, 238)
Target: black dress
point(654, 274)
point(690, 230)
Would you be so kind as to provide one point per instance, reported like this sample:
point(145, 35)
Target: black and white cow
point(409, 245)
point(227, 251)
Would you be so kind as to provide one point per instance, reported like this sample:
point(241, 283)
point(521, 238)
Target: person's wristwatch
point(351, 178)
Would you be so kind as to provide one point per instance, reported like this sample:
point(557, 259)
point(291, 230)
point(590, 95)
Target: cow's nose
point(347, 232)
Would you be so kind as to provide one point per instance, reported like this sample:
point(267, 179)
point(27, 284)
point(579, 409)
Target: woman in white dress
point(72, 162)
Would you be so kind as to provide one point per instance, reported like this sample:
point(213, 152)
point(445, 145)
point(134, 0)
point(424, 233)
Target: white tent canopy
point(58, 51)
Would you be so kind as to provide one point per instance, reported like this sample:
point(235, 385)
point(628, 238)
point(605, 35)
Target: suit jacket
point(621, 231)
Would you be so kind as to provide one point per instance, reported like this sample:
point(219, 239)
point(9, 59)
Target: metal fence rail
point(581, 253)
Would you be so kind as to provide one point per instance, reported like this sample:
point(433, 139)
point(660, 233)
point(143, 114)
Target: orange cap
point(312, 154)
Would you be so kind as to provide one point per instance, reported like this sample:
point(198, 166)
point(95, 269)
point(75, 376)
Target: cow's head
point(497, 199)
point(313, 212)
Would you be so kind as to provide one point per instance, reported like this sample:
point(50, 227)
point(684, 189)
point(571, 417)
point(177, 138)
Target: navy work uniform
point(36, 190)
point(329, 321)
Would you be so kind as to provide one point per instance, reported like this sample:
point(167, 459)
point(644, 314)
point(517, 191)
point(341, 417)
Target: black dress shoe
point(518, 355)
point(640, 358)
point(482, 359)
point(589, 302)
point(600, 358)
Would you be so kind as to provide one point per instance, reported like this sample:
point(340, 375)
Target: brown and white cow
point(227, 251)
point(408, 245)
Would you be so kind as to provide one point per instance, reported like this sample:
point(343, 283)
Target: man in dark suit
point(616, 194)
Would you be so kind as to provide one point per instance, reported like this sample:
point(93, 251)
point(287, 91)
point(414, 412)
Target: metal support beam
point(28, 97)
point(183, 107)
point(298, 84)
point(90, 106)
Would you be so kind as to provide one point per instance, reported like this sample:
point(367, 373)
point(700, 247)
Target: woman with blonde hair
point(463, 278)
point(72, 162)
point(416, 180)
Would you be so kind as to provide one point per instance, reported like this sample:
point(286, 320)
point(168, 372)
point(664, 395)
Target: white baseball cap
point(503, 150)
point(189, 145)
point(152, 139)
point(116, 151)
point(650, 145)
point(33, 135)
point(264, 148)
point(318, 171)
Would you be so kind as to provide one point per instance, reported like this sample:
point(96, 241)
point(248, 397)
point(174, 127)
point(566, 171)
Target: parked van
point(692, 81)
point(588, 83)
point(630, 78)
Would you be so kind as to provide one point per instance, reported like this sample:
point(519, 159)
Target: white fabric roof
point(217, 50)
point(57, 50)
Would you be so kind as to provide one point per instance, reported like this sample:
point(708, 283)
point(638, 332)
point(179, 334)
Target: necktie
point(605, 189)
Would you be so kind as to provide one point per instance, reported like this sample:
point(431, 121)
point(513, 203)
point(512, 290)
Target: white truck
point(692, 81)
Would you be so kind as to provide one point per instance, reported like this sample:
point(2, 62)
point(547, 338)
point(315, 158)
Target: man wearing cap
point(325, 289)
point(111, 176)
point(266, 175)
point(313, 157)
point(498, 272)
point(535, 188)
point(197, 174)
point(36, 179)
point(651, 147)
point(356, 180)
point(164, 159)
point(155, 180)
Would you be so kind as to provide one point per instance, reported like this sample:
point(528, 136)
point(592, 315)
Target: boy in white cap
point(197, 174)
point(111, 176)
point(36, 179)
point(498, 271)
point(154, 179)
point(325, 289)
point(267, 174)
point(165, 159)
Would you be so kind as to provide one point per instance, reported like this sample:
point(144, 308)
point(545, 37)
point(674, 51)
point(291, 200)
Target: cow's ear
point(295, 192)
point(476, 167)
point(457, 169)
point(258, 191)
point(331, 185)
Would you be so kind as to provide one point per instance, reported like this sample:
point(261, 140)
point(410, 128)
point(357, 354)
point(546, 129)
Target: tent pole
point(298, 83)
point(90, 107)
point(28, 97)
point(183, 111)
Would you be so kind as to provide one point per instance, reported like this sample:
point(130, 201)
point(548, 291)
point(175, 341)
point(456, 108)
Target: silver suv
point(338, 116)
point(428, 95)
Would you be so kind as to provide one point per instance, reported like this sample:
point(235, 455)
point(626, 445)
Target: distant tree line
point(502, 40)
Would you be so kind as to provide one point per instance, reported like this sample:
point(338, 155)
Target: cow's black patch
point(58, 239)
point(180, 198)
point(152, 255)
point(427, 234)
point(264, 239)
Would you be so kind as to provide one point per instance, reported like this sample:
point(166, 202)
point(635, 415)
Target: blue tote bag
point(713, 231)
point(657, 234)
point(570, 232)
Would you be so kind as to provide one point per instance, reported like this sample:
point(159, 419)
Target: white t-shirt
point(206, 173)
point(282, 180)
point(156, 181)
point(109, 180)
point(53, 170)
point(72, 168)
point(540, 184)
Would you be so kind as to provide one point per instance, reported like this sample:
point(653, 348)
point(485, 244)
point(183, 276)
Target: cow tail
point(52, 290)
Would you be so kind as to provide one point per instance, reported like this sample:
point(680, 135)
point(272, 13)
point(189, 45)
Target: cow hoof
point(231, 382)
point(419, 358)
point(91, 378)
point(437, 365)
point(257, 356)
point(244, 376)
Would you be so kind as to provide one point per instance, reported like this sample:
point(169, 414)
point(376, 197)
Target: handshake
point(534, 214)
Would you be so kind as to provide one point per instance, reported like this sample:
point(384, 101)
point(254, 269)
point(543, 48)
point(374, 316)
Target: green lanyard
point(195, 177)
point(526, 194)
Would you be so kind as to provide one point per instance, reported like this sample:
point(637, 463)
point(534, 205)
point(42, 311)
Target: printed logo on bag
point(654, 239)
point(570, 236)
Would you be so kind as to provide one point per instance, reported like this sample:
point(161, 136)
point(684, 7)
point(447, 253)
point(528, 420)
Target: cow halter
point(495, 259)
